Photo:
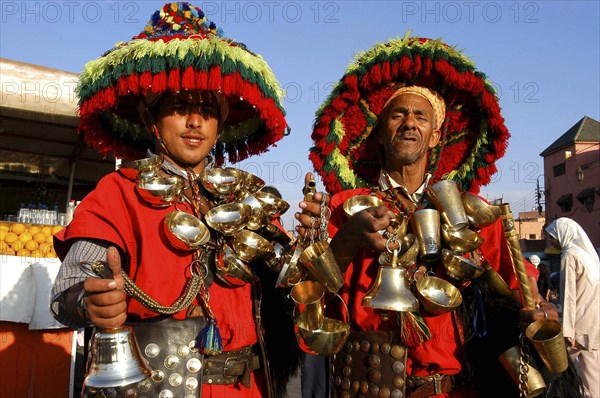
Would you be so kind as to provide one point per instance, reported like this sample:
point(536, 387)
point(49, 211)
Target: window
point(586, 197)
point(559, 169)
point(565, 202)
point(532, 236)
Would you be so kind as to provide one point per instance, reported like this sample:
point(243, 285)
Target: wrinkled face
point(187, 123)
point(407, 130)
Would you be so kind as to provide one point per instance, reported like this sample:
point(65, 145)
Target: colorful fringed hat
point(179, 49)
point(473, 134)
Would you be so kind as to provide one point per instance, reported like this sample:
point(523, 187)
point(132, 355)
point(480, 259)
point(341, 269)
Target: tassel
point(566, 384)
point(413, 330)
point(209, 340)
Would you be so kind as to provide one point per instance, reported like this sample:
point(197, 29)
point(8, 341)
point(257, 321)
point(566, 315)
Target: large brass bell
point(390, 291)
point(116, 359)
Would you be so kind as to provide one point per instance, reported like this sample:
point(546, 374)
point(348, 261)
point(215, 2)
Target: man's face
point(407, 130)
point(187, 122)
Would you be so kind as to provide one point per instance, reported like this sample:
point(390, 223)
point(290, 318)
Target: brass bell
point(116, 359)
point(390, 291)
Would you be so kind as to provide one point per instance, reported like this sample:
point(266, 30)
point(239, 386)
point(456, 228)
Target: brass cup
point(408, 252)
point(495, 281)
point(446, 198)
point(250, 246)
point(250, 182)
point(229, 218)
point(461, 241)
point(547, 339)
point(272, 204)
point(309, 302)
point(360, 202)
point(231, 270)
point(320, 262)
point(459, 267)
point(511, 362)
point(151, 163)
point(259, 218)
point(427, 227)
point(279, 257)
point(479, 212)
point(328, 340)
point(437, 295)
point(185, 231)
point(160, 191)
point(221, 182)
point(291, 271)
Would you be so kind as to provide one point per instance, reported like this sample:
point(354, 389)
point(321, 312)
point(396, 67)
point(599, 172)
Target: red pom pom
point(159, 82)
point(187, 80)
point(174, 80)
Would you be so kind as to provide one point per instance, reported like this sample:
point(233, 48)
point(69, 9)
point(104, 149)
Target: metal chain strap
point(325, 214)
point(192, 287)
point(523, 365)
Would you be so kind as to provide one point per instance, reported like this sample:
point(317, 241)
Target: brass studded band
point(371, 364)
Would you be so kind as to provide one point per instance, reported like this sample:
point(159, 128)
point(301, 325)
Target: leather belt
point(230, 367)
point(427, 386)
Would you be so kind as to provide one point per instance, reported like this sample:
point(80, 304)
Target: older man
point(407, 114)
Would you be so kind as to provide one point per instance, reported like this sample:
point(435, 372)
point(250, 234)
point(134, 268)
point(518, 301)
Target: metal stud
point(348, 359)
point(192, 346)
point(175, 379)
point(398, 367)
point(171, 362)
point(183, 351)
point(158, 376)
point(374, 376)
point(346, 371)
point(194, 365)
point(384, 392)
point(397, 352)
point(374, 361)
point(130, 394)
point(375, 348)
point(397, 393)
point(166, 394)
point(364, 346)
point(374, 390)
point(385, 348)
point(191, 383)
point(356, 346)
point(337, 380)
point(144, 385)
point(346, 383)
point(398, 381)
point(152, 350)
point(355, 385)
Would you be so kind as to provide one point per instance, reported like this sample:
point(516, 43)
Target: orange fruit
point(36, 253)
point(9, 252)
point(4, 247)
point(51, 255)
point(49, 239)
point(34, 229)
point(46, 230)
point(31, 245)
point(40, 237)
point(56, 229)
point(25, 236)
point(11, 237)
point(4, 227)
point(45, 247)
point(2, 235)
point(17, 245)
point(18, 228)
point(23, 253)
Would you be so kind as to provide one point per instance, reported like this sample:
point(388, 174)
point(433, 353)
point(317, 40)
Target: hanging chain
point(325, 214)
point(523, 366)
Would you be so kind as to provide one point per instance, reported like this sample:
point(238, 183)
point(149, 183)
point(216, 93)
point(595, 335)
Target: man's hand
point(545, 311)
point(105, 298)
point(310, 217)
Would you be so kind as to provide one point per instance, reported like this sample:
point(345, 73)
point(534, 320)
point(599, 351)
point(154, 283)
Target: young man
point(407, 114)
point(201, 335)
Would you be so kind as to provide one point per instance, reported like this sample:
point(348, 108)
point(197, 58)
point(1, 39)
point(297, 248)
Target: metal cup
point(547, 339)
point(447, 200)
point(510, 360)
point(308, 297)
point(427, 227)
point(320, 262)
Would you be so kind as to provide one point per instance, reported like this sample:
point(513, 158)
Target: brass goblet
point(250, 246)
point(185, 231)
point(272, 204)
point(228, 218)
point(160, 191)
point(437, 295)
point(461, 241)
point(360, 202)
point(231, 270)
point(222, 182)
point(459, 267)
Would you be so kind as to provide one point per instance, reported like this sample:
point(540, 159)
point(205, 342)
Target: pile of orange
point(29, 240)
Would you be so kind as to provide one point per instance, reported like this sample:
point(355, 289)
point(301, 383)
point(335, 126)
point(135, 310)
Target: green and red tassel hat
point(179, 49)
point(473, 133)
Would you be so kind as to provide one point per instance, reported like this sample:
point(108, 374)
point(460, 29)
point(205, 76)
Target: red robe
point(114, 212)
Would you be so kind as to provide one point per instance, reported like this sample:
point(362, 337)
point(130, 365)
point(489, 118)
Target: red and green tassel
point(413, 330)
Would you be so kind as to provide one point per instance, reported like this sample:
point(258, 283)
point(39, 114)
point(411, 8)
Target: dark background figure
point(544, 283)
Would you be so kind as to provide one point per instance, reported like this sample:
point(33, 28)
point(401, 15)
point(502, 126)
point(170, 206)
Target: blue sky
point(542, 56)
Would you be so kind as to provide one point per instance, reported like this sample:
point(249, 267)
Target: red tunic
point(442, 353)
point(114, 212)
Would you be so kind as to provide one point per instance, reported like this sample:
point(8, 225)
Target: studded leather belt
point(371, 364)
point(230, 367)
point(428, 386)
